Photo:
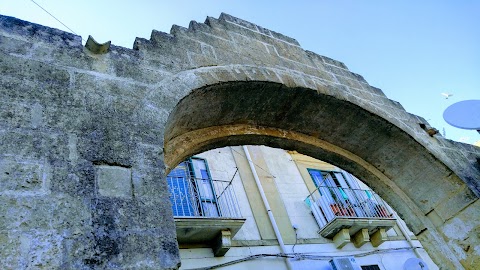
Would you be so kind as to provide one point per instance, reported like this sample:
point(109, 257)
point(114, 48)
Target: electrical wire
point(55, 18)
point(258, 166)
point(296, 240)
point(229, 183)
point(301, 256)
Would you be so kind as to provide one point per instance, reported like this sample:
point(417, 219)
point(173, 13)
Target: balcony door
point(204, 187)
point(182, 191)
point(337, 192)
point(191, 189)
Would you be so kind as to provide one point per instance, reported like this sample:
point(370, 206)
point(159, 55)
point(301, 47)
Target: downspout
point(267, 207)
point(405, 233)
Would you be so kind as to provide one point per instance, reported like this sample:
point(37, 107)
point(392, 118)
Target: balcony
point(206, 212)
point(350, 215)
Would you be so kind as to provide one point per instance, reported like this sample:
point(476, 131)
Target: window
point(191, 189)
point(370, 267)
point(330, 182)
point(332, 179)
point(203, 207)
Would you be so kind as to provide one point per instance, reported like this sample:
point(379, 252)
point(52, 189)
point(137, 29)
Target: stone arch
point(117, 110)
point(235, 105)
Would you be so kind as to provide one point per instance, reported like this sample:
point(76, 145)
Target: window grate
point(370, 267)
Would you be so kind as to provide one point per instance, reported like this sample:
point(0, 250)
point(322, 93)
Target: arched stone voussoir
point(327, 117)
point(402, 170)
point(182, 84)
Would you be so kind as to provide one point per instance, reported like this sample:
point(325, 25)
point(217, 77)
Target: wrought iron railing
point(196, 197)
point(328, 203)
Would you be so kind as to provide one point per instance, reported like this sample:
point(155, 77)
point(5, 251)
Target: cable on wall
point(55, 18)
point(256, 165)
point(301, 256)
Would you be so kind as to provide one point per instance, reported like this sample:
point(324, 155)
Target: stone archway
point(96, 131)
point(421, 187)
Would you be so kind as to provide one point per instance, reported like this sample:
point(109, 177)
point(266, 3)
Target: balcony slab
point(355, 224)
point(204, 230)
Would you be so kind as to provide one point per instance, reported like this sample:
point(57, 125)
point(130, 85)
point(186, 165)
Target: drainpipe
point(405, 233)
point(267, 207)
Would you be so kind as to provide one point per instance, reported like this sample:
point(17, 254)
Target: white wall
point(293, 191)
point(222, 167)
point(392, 260)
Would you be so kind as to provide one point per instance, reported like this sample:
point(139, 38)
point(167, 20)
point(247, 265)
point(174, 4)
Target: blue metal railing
point(327, 203)
point(197, 197)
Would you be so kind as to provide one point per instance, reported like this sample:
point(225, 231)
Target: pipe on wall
point(267, 207)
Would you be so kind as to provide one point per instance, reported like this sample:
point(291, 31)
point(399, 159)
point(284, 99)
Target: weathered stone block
point(114, 181)
point(361, 238)
point(222, 243)
point(378, 237)
point(20, 176)
point(341, 238)
point(36, 249)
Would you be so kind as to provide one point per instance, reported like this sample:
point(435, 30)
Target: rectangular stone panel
point(114, 181)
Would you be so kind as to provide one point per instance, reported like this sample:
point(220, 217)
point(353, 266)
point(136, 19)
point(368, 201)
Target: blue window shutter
point(181, 199)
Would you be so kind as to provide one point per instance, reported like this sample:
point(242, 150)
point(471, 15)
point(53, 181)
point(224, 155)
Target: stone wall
point(81, 178)
point(83, 138)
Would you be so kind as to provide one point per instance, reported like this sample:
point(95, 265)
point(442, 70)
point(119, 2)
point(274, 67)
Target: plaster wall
point(222, 166)
point(195, 258)
point(292, 191)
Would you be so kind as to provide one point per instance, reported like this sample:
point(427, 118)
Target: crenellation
point(258, 29)
point(209, 38)
point(122, 52)
point(289, 52)
point(349, 82)
point(345, 73)
point(171, 60)
point(380, 101)
point(141, 43)
point(285, 38)
point(178, 30)
point(264, 31)
point(216, 29)
point(358, 77)
point(238, 21)
point(375, 90)
point(395, 104)
point(196, 26)
point(316, 58)
point(159, 38)
point(330, 61)
point(308, 70)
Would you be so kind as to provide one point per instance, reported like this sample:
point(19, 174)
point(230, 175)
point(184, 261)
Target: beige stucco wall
point(287, 183)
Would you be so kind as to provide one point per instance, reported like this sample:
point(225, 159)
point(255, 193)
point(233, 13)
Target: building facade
point(322, 214)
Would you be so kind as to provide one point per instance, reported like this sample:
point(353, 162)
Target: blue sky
point(412, 50)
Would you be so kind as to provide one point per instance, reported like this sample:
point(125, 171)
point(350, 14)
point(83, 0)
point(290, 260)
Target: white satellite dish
point(415, 264)
point(464, 114)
